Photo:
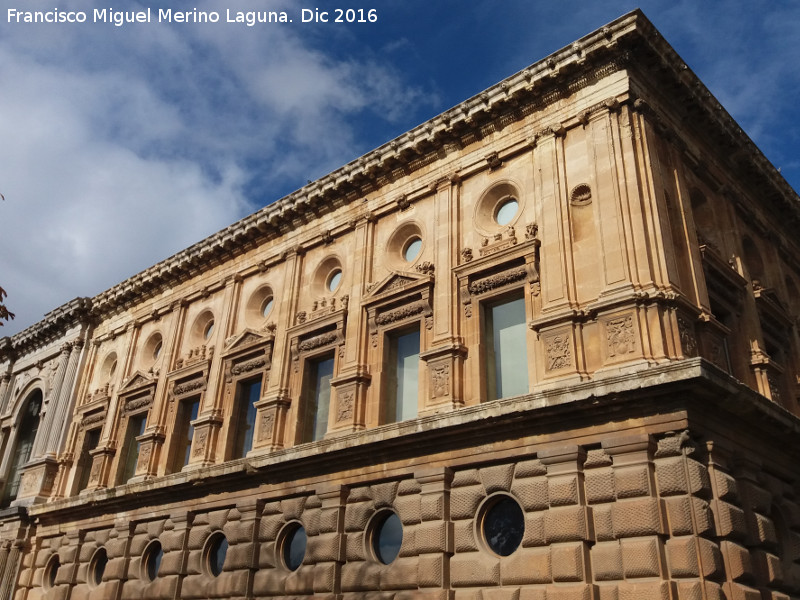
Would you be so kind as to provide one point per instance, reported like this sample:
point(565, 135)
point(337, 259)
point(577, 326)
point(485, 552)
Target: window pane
point(387, 538)
point(322, 398)
point(294, 550)
point(27, 429)
point(135, 429)
point(184, 432)
point(90, 441)
point(507, 211)
point(504, 526)
point(507, 351)
point(404, 382)
point(249, 393)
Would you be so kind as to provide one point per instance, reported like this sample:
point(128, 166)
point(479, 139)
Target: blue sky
point(123, 145)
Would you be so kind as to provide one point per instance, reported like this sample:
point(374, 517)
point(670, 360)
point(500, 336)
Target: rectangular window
point(506, 349)
point(184, 432)
point(247, 394)
point(90, 441)
point(402, 388)
point(136, 425)
point(315, 422)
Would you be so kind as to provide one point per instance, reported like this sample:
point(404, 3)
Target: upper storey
point(571, 225)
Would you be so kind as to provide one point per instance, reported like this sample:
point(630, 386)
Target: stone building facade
point(541, 347)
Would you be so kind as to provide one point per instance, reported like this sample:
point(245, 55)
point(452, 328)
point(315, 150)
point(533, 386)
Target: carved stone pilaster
point(204, 441)
point(271, 416)
point(445, 386)
point(349, 401)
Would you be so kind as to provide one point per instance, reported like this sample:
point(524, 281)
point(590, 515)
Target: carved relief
point(196, 355)
point(440, 380)
point(487, 284)
point(687, 336)
point(138, 403)
point(199, 443)
point(144, 458)
point(774, 388)
point(466, 254)
point(344, 410)
point(499, 243)
point(30, 481)
point(90, 420)
point(317, 341)
point(97, 466)
point(391, 316)
point(559, 352)
point(250, 365)
point(267, 426)
point(426, 268)
point(620, 336)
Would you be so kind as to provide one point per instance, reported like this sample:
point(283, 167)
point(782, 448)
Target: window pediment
point(136, 382)
point(396, 283)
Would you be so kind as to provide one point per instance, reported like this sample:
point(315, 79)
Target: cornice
point(54, 325)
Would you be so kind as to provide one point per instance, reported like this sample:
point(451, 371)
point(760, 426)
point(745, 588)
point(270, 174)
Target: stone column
point(5, 388)
point(65, 400)
point(9, 573)
point(41, 445)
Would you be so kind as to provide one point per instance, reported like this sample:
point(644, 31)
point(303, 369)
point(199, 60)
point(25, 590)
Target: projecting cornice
point(630, 42)
point(55, 324)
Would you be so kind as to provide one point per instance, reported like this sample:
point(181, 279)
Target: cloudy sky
point(120, 146)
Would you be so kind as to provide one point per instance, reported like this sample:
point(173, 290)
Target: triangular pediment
point(136, 381)
point(245, 339)
point(396, 282)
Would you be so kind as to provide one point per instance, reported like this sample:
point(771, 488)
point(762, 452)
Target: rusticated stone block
point(599, 485)
point(324, 578)
point(430, 508)
point(756, 497)
point(465, 478)
point(710, 557)
point(529, 468)
point(360, 576)
point(603, 522)
point(300, 581)
point(467, 595)
point(641, 558)
point(322, 548)
point(408, 507)
point(699, 482)
point(497, 478)
point(726, 487)
point(464, 536)
point(682, 557)
point(239, 556)
point(765, 529)
point(652, 590)
point(431, 537)
point(731, 521)
point(531, 493)
point(572, 592)
point(526, 566)
point(536, 593)
point(474, 569)
point(704, 519)
point(566, 524)
point(679, 515)
point(607, 592)
point(357, 515)
point(535, 532)
point(401, 574)
point(384, 493)
point(311, 521)
point(500, 594)
point(689, 590)
point(607, 561)
point(740, 565)
point(632, 482)
point(767, 567)
point(563, 490)
point(636, 517)
point(464, 502)
point(354, 547)
point(737, 591)
point(197, 537)
point(409, 544)
point(568, 562)
point(431, 570)
point(266, 556)
point(328, 520)
point(671, 476)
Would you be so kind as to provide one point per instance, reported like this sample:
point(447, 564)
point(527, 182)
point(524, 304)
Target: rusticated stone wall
point(666, 516)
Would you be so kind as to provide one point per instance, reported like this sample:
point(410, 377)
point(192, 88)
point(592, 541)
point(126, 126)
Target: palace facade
point(541, 347)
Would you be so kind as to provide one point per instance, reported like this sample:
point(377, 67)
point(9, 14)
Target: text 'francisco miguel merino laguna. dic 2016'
point(168, 15)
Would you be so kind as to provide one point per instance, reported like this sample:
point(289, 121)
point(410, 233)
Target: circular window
point(209, 329)
point(386, 537)
point(506, 211)
point(151, 560)
point(266, 306)
point(97, 566)
point(502, 525)
point(293, 546)
point(216, 551)
point(157, 349)
point(50, 572)
point(412, 249)
point(334, 279)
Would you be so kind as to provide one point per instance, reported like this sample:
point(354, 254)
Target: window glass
point(184, 432)
point(152, 560)
point(294, 548)
point(503, 526)
point(97, 567)
point(136, 425)
point(403, 380)
point(507, 354)
point(506, 211)
point(28, 426)
point(334, 280)
point(387, 538)
point(50, 572)
point(248, 392)
point(217, 553)
point(209, 329)
point(267, 307)
point(319, 399)
point(412, 249)
point(90, 441)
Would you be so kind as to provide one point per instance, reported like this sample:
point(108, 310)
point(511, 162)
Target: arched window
point(26, 434)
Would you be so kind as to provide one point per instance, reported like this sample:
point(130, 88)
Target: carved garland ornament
point(620, 334)
point(559, 353)
point(185, 388)
point(250, 365)
point(345, 407)
point(317, 341)
point(487, 284)
point(390, 316)
point(267, 425)
point(440, 378)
